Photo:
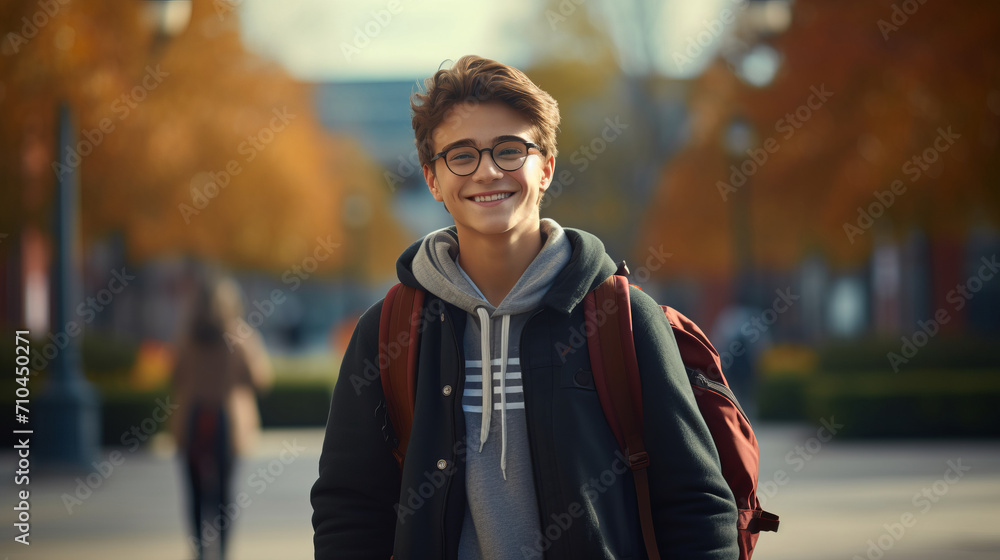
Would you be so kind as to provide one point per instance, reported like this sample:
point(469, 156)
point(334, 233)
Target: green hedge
point(940, 352)
point(121, 412)
point(926, 403)
point(106, 354)
point(296, 405)
point(782, 399)
point(285, 406)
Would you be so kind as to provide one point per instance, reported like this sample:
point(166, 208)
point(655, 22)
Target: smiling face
point(490, 201)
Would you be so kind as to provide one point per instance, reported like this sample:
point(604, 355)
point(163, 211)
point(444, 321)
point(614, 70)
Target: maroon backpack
point(616, 376)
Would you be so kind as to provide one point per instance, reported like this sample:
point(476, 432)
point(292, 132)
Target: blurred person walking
point(221, 363)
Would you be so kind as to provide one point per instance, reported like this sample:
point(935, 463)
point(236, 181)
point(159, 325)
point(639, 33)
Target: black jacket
point(362, 510)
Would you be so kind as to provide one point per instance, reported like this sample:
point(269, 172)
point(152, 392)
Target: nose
point(487, 170)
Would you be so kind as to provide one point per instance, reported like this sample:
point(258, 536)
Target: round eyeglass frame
point(527, 145)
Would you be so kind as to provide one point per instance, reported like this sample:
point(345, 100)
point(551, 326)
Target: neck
point(496, 262)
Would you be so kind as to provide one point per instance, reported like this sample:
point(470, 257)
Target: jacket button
point(442, 464)
point(442, 317)
point(446, 390)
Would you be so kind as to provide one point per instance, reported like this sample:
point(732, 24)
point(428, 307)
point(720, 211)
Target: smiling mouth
point(492, 197)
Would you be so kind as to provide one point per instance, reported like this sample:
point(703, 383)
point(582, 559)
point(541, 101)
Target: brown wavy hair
point(475, 79)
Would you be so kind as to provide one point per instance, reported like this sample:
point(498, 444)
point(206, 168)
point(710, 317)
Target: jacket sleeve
point(353, 499)
point(694, 511)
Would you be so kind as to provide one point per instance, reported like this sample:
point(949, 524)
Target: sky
point(323, 40)
point(362, 39)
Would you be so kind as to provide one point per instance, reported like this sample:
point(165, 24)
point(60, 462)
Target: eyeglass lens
point(508, 156)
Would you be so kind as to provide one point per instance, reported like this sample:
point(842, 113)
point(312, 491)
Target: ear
point(548, 173)
point(432, 182)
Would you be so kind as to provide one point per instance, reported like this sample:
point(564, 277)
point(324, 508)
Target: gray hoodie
point(502, 513)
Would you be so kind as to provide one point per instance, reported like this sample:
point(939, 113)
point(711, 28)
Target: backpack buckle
point(638, 460)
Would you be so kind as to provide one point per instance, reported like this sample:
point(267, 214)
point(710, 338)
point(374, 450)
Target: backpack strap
point(611, 345)
point(398, 332)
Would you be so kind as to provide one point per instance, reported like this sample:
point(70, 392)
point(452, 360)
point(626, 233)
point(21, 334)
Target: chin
point(501, 226)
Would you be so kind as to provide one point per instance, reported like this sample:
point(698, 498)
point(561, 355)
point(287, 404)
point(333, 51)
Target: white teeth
point(491, 198)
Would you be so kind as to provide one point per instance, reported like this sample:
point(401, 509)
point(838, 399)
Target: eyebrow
point(471, 142)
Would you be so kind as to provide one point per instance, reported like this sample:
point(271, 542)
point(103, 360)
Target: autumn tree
point(189, 145)
point(612, 134)
point(882, 119)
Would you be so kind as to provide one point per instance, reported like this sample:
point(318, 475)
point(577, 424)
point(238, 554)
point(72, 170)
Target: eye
point(510, 150)
point(462, 154)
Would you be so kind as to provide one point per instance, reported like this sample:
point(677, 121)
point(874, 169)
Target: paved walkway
point(834, 497)
point(136, 511)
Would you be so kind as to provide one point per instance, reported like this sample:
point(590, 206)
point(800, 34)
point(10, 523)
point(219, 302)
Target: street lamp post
point(67, 421)
point(739, 138)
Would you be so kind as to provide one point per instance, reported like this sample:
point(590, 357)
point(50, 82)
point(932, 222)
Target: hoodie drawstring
point(484, 346)
point(487, 373)
point(504, 332)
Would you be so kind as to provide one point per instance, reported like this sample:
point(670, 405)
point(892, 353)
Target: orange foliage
point(892, 95)
point(211, 150)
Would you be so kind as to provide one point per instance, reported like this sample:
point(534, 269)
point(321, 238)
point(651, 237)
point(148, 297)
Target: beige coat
point(228, 376)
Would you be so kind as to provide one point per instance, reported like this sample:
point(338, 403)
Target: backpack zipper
point(699, 379)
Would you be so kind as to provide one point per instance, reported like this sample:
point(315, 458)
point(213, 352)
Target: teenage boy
point(510, 455)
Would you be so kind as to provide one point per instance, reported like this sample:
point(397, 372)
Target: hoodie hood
point(436, 267)
point(587, 267)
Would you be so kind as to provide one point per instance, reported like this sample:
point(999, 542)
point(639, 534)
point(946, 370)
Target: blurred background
point(816, 184)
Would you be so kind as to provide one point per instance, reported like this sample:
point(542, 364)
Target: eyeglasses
point(508, 155)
